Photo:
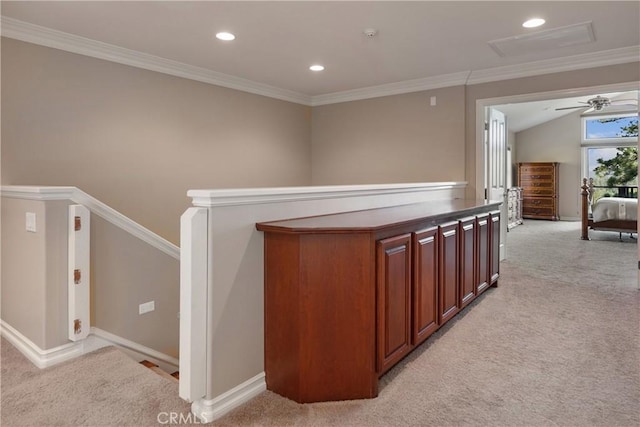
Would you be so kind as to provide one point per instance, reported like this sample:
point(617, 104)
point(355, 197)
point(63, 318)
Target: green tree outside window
point(621, 170)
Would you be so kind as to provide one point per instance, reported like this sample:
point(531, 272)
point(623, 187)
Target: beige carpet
point(103, 388)
point(557, 344)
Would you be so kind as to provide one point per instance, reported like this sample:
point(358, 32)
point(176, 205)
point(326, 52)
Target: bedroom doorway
point(482, 107)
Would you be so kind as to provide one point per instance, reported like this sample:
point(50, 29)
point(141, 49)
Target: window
point(611, 154)
point(610, 129)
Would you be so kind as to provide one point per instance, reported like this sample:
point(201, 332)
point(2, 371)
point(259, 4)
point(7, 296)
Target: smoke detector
point(370, 32)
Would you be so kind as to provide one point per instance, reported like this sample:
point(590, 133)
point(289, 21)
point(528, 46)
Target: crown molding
point(48, 37)
point(557, 65)
point(407, 86)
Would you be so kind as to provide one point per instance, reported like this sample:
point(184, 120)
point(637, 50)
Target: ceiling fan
point(600, 102)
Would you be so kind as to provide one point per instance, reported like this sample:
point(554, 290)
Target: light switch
point(31, 221)
point(432, 100)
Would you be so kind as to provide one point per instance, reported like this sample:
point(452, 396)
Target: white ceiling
point(277, 41)
point(418, 43)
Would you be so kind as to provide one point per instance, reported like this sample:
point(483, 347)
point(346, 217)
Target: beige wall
point(138, 140)
point(34, 271)
point(557, 141)
point(622, 73)
point(399, 138)
point(126, 272)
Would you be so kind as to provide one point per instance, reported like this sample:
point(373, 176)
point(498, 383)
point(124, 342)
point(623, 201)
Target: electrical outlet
point(146, 307)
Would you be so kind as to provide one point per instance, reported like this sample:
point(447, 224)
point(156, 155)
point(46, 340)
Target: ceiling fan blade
point(623, 100)
point(571, 108)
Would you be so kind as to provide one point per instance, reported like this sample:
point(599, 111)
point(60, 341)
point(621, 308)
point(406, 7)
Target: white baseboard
point(97, 339)
point(137, 351)
point(45, 358)
point(210, 410)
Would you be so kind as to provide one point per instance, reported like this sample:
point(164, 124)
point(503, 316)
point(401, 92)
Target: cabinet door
point(484, 250)
point(467, 260)
point(495, 247)
point(425, 284)
point(394, 300)
point(448, 285)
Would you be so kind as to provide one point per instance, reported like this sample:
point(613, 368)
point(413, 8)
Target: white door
point(496, 167)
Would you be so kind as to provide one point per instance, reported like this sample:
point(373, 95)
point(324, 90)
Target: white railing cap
point(34, 192)
point(244, 196)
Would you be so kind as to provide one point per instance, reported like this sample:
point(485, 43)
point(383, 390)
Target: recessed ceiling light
point(225, 36)
point(316, 67)
point(534, 22)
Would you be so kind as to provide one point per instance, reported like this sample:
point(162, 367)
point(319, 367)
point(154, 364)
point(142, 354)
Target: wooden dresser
point(539, 182)
point(349, 295)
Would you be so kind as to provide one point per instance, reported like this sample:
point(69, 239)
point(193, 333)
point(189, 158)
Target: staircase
point(173, 377)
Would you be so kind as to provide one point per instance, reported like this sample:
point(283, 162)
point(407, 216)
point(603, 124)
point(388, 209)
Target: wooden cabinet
point(468, 267)
point(320, 303)
point(425, 285)
point(349, 295)
point(449, 272)
point(539, 183)
point(483, 255)
point(394, 300)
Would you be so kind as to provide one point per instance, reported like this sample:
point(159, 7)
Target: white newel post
point(78, 272)
point(194, 261)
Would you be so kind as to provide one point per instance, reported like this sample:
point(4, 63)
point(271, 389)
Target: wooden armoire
point(539, 182)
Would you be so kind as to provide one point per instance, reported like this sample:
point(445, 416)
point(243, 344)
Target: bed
point(607, 213)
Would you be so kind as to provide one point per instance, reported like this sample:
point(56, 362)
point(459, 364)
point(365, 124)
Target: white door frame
point(481, 104)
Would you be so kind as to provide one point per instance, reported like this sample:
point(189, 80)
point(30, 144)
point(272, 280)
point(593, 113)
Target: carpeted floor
point(102, 388)
point(557, 344)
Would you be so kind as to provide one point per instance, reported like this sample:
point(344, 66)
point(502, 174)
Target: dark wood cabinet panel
point(449, 286)
point(394, 300)
point(425, 284)
point(319, 340)
point(483, 258)
point(467, 260)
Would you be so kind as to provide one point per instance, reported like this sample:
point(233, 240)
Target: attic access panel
point(539, 41)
